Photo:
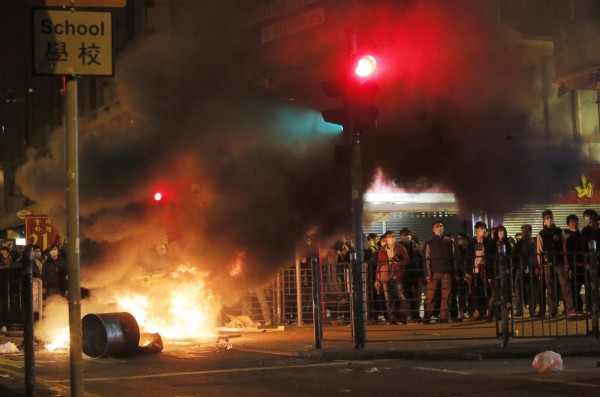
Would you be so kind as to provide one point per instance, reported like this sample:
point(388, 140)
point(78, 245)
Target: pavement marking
point(216, 371)
point(562, 382)
point(12, 363)
point(446, 371)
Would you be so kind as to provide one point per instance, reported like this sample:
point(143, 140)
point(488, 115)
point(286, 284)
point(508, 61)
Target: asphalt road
point(215, 370)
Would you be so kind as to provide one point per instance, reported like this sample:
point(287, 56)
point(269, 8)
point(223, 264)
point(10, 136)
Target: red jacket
point(391, 268)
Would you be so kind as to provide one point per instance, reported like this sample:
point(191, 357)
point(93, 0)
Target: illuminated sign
point(586, 190)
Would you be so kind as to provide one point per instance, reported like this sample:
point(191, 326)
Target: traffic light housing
point(356, 90)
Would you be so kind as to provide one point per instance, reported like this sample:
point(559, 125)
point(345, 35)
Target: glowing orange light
point(366, 66)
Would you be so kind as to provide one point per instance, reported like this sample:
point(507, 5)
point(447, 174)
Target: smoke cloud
point(248, 172)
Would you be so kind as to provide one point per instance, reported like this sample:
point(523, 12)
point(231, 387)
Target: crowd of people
point(462, 278)
point(48, 265)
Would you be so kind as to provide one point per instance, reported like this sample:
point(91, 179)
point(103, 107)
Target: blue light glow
point(299, 123)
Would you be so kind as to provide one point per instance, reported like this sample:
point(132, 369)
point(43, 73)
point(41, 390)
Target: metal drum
point(110, 334)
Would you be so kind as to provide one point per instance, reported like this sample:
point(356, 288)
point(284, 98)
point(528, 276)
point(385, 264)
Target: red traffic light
point(158, 196)
point(365, 66)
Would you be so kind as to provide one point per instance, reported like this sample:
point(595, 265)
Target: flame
point(61, 342)
point(178, 306)
point(175, 305)
point(235, 269)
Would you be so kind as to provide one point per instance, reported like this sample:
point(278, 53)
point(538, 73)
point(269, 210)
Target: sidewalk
point(407, 342)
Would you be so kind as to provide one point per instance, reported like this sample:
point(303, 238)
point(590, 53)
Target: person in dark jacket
point(575, 261)
point(415, 276)
point(499, 270)
point(478, 286)
point(550, 251)
point(391, 267)
point(54, 274)
point(529, 288)
point(589, 233)
point(439, 270)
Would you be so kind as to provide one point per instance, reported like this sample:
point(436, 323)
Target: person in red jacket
point(391, 263)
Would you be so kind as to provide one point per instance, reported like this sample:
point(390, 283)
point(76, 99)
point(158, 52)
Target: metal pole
point(594, 287)
point(274, 301)
point(358, 310)
point(503, 301)
point(28, 337)
point(74, 297)
point(317, 314)
point(299, 292)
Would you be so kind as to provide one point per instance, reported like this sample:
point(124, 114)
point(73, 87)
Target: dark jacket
point(414, 268)
point(54, 275)
point(525, 255)
point(493, 250)
point(550, 245)
point(589, 233)
point(573, 248)
point(439, 256)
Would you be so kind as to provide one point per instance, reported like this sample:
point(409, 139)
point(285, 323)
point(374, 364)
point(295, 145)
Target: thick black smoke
point(454, 108)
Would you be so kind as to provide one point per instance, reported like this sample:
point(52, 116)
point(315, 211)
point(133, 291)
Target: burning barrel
point(110, 334)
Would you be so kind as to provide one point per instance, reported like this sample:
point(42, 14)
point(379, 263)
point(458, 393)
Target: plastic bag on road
point(547, 361)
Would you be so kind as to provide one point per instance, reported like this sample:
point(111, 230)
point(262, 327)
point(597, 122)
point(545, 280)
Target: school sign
point(74, 43)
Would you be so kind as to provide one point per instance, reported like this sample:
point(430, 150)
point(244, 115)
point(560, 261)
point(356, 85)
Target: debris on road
point(547, 361)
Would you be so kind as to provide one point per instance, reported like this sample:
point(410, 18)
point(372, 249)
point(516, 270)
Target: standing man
point(439, 270)
point(529, 289)
point(54, 273)
point(391, 265)
point(414, 277)
point(575, 260)
point(551, 255)
point(590, 232)
point(479, 292)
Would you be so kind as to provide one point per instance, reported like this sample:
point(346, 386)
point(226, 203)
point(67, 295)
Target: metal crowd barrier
point(512, 300)
point(12, 308)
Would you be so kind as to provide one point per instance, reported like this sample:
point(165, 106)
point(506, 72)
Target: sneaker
point(571, 313)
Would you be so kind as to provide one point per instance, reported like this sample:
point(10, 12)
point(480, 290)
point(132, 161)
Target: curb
point(450, 354)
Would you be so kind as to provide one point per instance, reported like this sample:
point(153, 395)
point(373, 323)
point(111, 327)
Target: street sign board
point(72, 43)
point(82, 3)
point(39, 230)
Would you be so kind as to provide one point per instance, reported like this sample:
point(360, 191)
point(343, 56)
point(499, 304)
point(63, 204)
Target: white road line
point(443, 370)
point(215, 371)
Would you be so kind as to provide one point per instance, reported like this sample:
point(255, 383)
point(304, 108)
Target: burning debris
point(175, 305)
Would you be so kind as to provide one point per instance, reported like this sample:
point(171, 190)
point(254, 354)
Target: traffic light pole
point(358, 276)
point(359, 324)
